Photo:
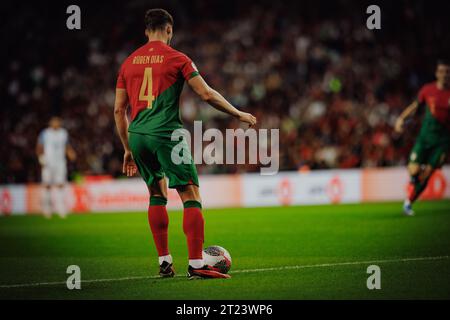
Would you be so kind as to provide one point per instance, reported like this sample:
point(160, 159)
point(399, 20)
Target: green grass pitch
point(326, 250)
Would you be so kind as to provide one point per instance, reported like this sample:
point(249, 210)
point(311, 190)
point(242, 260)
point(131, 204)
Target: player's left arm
point(71, 154)
point(120, 117)
point(217, 101)
point(208, 94)
point(409, 111)
point(40, 149)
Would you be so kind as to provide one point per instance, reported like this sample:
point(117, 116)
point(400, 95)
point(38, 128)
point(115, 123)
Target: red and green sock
point(159, 223)
point(416, 186)
point(193, 227)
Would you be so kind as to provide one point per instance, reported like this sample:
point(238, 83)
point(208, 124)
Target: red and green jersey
point(436, 123)
point(153, 77)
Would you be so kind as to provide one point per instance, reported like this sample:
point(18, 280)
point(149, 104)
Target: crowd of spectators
point(332, 87)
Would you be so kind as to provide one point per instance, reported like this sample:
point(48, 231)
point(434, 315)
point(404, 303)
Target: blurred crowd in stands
point(311, 69)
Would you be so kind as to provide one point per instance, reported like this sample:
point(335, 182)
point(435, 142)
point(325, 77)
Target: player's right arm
point(120, 117)
point(40, 149)
point(216, 100)
point(410, 110)
point(70, 152)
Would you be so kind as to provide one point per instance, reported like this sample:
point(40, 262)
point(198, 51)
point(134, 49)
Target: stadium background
point(310, 68)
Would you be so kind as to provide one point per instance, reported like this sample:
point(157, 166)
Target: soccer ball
point(217, 257)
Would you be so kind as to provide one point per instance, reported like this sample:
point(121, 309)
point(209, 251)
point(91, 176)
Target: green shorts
point(426, 153)
point(153, 157)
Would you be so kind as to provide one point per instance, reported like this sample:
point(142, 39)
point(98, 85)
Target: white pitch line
point(337, 264)
point(39, 284)
point(323, 265)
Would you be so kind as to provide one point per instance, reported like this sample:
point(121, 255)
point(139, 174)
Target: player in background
point(52, 148)
point(151, 80)
point(433, 142)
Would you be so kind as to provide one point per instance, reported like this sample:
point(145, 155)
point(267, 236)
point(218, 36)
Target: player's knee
point(158, 190)
point(158, 193)
point(427, 172)
point(189, 193)
point(413, 169)
point(158, 200)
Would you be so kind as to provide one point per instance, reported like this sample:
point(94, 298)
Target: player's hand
point(41, 159)
point(71, 154)
point(247, 118)
point(129, 166)
point(399, 125)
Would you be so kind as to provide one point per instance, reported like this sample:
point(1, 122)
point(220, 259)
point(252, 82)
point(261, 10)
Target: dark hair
point(157, 19)
point(445, 62)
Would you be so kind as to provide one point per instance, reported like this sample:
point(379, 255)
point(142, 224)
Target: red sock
point(193, 227)
point(159, 222)
point(411, 192)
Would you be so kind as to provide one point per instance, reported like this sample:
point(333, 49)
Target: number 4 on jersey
point(145, 94)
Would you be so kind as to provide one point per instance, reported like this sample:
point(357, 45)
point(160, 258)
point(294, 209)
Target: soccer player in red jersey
point(433, 142)
point(150, 81)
